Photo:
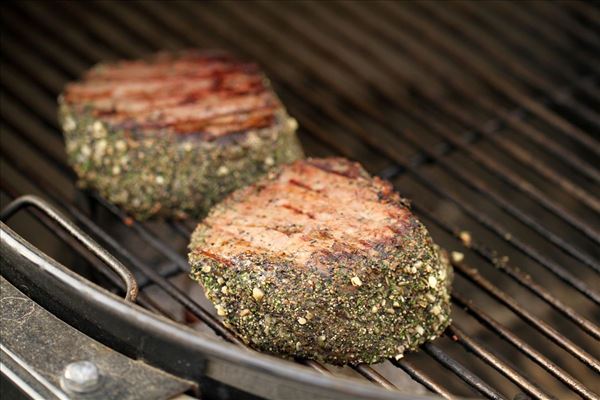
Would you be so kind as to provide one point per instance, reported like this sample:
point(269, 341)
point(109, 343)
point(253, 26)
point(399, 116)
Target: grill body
point(485, 114)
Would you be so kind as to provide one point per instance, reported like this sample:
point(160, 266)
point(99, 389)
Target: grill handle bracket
point(93, 246)
point(37, 349)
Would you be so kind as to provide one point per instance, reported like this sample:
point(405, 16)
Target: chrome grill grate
point(486, 115)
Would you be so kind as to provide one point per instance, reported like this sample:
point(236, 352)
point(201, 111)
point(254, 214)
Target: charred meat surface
point(320, 260)
point(173, 134)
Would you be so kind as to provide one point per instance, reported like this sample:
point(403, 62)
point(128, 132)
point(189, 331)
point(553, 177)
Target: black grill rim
point(403, 165)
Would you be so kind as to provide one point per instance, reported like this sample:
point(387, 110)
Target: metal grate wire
point(41, 62)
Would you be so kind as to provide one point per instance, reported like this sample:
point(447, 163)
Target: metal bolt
point(81, 377)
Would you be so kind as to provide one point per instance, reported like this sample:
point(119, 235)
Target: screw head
point(81, 377)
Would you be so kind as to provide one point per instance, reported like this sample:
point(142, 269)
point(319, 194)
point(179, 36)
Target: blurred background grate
point(485, 114)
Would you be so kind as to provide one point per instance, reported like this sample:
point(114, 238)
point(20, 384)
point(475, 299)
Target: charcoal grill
point(484, 113)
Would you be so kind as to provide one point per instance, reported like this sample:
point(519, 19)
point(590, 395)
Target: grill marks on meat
point(173, 134)
point(319, 260)
point(187, 93)
point(322, 202)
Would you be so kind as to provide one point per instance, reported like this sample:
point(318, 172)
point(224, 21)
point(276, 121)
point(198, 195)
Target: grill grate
point(420, 93)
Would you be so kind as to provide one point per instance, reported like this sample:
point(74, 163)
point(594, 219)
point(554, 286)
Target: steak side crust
point(173, 134)
point(319, 260)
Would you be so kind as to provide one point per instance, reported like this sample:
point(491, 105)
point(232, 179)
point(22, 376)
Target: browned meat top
point(206, 93)
point(311, 207)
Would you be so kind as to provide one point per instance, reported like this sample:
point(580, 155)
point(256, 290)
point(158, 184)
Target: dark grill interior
point(484, 114)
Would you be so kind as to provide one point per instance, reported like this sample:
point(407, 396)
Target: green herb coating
point(362, 308)
point(170, 175)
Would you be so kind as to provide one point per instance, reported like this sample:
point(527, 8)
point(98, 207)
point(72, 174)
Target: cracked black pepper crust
point(361, 308)
point(167, 175)
point(167, 171)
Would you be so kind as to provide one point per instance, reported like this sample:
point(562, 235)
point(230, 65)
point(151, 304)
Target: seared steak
point(173, 134)
point(320, 260)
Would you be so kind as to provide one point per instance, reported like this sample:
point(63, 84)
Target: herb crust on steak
point(173, 134)
point(320, 260)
